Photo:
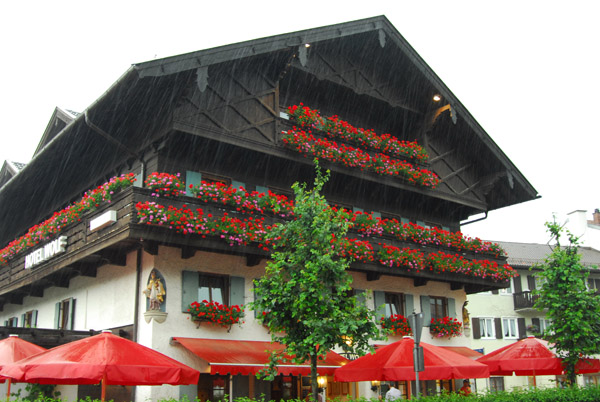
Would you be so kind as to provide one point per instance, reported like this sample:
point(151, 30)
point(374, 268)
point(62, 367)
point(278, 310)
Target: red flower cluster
point(234, 230)
point(215, 313)
point(242, 201)
point(334, 127)
point(445, 327)
point(396, 324)
point(165, 184)
point(306, 144)
point(61, 219)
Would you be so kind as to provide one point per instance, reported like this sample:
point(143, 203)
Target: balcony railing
point(524, 300)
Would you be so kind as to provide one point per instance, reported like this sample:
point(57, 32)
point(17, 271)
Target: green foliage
point(38, 392)
point(573, 310)
point(305, 292)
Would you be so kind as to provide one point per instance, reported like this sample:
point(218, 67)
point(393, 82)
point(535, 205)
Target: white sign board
point(49, 250)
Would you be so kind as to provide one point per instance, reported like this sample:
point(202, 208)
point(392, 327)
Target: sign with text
point(49, 250)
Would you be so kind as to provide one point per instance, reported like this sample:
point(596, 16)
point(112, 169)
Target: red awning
point(465, 351)
point(248, 357)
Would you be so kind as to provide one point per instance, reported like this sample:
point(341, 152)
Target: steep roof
point(75, 157)
point(9, 170)
point(527, 254)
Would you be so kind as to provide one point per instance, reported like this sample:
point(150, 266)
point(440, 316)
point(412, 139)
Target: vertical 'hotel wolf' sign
point(49, 250)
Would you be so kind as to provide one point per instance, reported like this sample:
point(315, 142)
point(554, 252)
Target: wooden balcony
point(524, 300)
point(87, 250)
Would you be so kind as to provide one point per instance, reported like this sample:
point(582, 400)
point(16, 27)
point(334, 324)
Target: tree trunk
point(313, 377)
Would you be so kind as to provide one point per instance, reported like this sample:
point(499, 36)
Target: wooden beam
point(187, 252)
point(150, 247)
point(373, 276)
point(253, 260)
point(420, 282)
point(455, 285)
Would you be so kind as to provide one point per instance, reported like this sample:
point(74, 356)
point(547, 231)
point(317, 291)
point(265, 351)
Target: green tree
point(573, 310)
point(305, 296)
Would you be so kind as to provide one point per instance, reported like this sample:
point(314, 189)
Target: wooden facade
point(221, 112)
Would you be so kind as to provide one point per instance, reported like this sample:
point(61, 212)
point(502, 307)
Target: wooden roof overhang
point(137, 111)
point(86, 251)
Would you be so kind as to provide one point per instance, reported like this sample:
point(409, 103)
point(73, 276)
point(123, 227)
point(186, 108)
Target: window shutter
point(409, 304)
point(535, 322)
point(6, 323)
point(190, 280)
point(57, 315)
point(262, 189)
point(23, 320)
point(421, 223)
point(426, 310)
point(521, 326)
point(34, 319)
point(404, 221)
point(597, 284)
point(498, 325)
point(237, 184)
point(361, 296)
point(495, 291)
point(376, 214)
point(590, 283)
point(191, 178)
point(236, 290)
point(531, 282)
point(379, 298)
point(71, 316)
point(451, 308)
point(476, 328)
point(517, 283)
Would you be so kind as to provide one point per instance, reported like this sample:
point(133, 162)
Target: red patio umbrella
point(531, 357)
point(394, 362)
point(13, 349)
point(104, 358)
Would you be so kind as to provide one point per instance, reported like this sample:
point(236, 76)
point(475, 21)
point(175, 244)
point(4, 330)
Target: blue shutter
point(404, 221)
point(34, 319)
point(57, 316)
point(23, 320)
point(376, 215)
point(426, 310)
point(409, 305)
point(190, 280)
point(237, 184)
point(71, 314)
point(193, 178)
point(379, 298)
point(236, 290)
point(451, 308)
point(357, 209)
point(421, 223)
point(262, 189)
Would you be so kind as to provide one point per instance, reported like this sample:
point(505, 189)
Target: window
point(394, 304)
point(487, 328)
point(64, 314)
point(544, 325)
point(509, 290)
point(12, 322)
point(212, 288)
point(439, 307)
point(509, 328)
point(29, 319)
point(496, 384)
point(198, 286)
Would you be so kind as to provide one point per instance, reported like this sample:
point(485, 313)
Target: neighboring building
point(220, 116)
point(588, 231)
point(9, 170)
point(501, 317)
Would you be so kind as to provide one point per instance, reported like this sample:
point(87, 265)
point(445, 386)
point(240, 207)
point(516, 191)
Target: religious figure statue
point(155, 292)
point(465, 314)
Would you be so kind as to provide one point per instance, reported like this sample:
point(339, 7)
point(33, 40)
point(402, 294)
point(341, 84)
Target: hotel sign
point(57, 246)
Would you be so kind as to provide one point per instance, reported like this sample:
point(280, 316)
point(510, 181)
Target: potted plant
point(445, 327)
point(215, 313)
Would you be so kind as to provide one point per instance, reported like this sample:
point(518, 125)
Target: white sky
point(528, 71)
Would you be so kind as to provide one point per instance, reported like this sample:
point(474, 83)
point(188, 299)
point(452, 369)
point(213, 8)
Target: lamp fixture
point(307, 45)
point(437, 97)
point(322, 381)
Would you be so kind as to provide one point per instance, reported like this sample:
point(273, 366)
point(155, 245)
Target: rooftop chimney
point(596, 217)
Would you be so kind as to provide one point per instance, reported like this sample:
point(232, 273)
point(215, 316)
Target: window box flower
point(446, 327)
point(165, 184)
point(396, 324)
point(215, 313)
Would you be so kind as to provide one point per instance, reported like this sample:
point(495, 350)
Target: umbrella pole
point(8, 381)
point(534, 380)
point(103, 382)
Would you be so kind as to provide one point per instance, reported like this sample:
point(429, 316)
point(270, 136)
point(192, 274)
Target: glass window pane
point(203, 294)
